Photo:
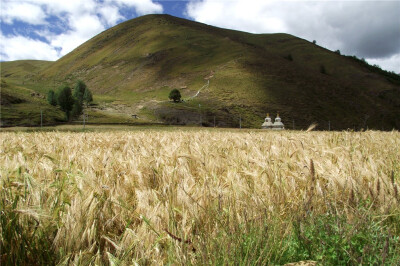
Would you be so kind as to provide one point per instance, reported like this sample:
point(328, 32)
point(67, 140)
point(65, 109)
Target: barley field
point(202, 197)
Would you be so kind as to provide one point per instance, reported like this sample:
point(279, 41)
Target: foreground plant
point(199, 197)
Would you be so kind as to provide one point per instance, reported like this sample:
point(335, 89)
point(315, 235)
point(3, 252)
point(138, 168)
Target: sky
point(49, 29)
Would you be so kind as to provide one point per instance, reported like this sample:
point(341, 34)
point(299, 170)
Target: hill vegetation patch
point(138, 62)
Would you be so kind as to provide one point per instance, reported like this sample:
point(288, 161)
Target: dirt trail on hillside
point(202, 88)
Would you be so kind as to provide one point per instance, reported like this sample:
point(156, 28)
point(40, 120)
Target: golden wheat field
point(203, 197)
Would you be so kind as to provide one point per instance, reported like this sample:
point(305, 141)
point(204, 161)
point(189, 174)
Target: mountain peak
point(133, 66)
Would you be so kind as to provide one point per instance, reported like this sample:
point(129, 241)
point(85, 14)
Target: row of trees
point(71, 104)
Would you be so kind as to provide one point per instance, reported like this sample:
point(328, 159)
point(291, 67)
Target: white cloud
point(19, 47)
point(142, 7)
point(110, 15)
point(368, 29)
point(77, 20)
point(24, 12)
point(392, 63)
point(83, 28)
point(86, 25)
point(58, 7)
point(250, 16)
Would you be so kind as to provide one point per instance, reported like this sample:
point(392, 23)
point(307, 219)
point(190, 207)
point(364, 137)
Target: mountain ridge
point(135, 64)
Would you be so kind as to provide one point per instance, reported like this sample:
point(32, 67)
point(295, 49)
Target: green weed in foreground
point(328, 239)
point(26, 238)
point(334, 240)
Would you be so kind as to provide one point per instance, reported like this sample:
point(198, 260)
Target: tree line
point(71, 104)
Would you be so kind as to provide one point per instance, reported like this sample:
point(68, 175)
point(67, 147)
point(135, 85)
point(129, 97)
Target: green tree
point(87, 96)
point(175, 95)
point(65, 100)
point(79, 90)
point(77, 108)
point(51, 98)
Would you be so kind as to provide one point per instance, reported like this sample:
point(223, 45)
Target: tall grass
point(199, 197)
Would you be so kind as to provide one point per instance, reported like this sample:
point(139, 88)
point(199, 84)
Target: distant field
point(204, 197)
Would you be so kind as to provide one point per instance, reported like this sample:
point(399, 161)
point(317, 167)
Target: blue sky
point(49, 29)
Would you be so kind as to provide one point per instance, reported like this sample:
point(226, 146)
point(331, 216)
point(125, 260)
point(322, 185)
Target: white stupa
point(267, 124)
point(278, 125)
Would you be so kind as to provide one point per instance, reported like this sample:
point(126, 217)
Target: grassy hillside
point(22, 69)
point(22, 106)
point(136, 63)
point(23, 98)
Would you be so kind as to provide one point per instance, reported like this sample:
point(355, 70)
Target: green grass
point(102, 98)
point(26, 240)
point(329, 239)
point(139, 61)
point(22, 69)
point(99, 117)
point(20, 108)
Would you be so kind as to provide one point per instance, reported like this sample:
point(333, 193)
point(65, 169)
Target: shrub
point(79, 90)
point(87, 96)
point(51, 98)
point(65, 100)
point(175, 95)
point(77, 108)
point(82, 94)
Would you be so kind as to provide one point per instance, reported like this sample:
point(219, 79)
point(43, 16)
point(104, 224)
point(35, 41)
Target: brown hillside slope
point(138, 62)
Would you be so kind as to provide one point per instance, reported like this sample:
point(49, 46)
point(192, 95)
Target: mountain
point(222, 74)
point(20, 105)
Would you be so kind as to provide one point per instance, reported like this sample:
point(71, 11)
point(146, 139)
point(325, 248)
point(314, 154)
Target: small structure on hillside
point(277, 125)
point(267, 123)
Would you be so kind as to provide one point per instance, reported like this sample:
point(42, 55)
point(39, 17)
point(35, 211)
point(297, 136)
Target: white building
point(267, 124)
point(277, 125)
